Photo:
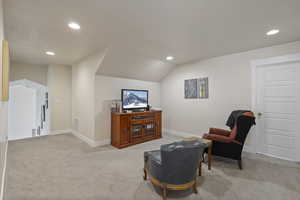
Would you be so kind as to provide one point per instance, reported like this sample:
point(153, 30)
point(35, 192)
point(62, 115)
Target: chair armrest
point(219, 131)
point(153, 156)
point(219, 138)
point(153, 164)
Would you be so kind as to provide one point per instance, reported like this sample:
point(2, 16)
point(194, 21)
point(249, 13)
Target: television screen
point(134, 99)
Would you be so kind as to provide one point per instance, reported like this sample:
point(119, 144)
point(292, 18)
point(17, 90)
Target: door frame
point(255, 65)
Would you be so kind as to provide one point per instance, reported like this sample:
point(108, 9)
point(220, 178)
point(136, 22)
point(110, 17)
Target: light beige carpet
point(62, 167)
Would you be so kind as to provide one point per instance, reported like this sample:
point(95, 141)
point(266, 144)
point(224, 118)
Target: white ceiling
point(139, 34)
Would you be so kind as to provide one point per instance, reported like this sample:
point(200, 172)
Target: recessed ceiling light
point(74, 26)
point(169, 58)
point(50, 53)
point(273, 32)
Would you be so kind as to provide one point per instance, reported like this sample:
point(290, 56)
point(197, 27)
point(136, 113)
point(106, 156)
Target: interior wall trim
point(100, 143)
point(180, 133)
point(278, 157)
point(89, 141)
point(4, 173)
point(57, 132)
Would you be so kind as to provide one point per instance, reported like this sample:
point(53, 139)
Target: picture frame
point(191, 89)
point(4, 96)
point(196, 88)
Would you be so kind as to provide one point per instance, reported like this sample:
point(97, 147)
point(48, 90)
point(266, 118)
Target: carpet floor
point(62, 167)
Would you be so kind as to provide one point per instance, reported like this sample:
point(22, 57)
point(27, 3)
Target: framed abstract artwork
point(191, 89)
point(196, 88)
point(4, 96)
point(203, 88)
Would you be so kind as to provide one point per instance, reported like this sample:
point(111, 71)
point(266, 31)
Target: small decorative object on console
point(115, 106)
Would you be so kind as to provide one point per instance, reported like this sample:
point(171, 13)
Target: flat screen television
point(134, 99)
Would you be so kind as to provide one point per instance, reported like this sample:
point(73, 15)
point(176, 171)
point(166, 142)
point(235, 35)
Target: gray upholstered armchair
point(174, 166)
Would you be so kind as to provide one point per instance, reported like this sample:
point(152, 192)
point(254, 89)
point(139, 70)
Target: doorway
point(277, 105)
point(28, 114)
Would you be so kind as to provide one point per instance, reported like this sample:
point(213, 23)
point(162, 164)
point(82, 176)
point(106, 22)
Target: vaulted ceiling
point(139, 34)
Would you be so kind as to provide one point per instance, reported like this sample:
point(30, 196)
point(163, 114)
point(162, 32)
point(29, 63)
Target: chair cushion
point(175, 163)
point(180, 161)
point(182, 144)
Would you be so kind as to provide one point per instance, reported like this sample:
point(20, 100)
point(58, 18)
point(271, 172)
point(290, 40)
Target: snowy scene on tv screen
point(134, 99)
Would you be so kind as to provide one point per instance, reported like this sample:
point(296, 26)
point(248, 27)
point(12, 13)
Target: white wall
point(108, 89)
point(3, 115)
point(36, 73)
point(83, 95)
point(229, 89)
point(92, 95)
point(60, 97)
point(58, 79)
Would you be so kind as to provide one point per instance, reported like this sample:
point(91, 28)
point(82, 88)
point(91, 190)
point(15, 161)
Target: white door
point(278, 89)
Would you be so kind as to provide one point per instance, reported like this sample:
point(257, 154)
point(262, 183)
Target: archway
point(28, 114)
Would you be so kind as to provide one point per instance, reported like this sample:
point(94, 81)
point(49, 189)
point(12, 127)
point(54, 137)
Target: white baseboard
point(3, 173)
point(180, 133)
point(57, 132)
point(279, 157)
point(83, 138)
point(249, 149)
point(89, 141)
point(102, 143)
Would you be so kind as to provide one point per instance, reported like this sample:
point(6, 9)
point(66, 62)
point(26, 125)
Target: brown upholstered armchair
point(230, 144)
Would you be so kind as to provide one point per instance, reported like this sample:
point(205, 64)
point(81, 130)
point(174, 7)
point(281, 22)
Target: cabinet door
point(158, 124)
point(124, 126)
point(150, 128)
point(136, 131)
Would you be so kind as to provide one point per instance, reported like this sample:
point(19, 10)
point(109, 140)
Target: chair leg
point(240, 164)
point(195, 188)
point(164, 193)
point(145, 174)
point(200, 168)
